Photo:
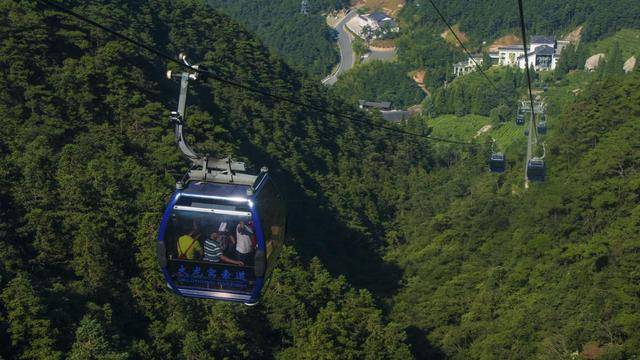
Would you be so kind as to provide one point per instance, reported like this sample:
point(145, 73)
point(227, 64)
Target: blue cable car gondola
point(526, 132)
point(222, 230)
point(497, 162)
point(542, 127)
point(536, 169)
point(520, 119)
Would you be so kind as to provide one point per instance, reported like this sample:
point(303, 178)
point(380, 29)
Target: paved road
point(347, 57)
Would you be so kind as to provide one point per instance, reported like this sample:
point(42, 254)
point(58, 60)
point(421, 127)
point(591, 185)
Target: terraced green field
point(628, 39)
point(466, 128)
point(459, 128)
point(507, 134)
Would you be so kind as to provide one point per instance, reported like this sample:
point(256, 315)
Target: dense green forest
point(88, 161)
point(304, 41)
point(400, 248)
point(472, 94)
point(421, 46)
point(379, 81)
point(489, 20)
point(492, 271)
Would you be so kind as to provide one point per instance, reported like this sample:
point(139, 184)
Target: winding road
point(347, 56)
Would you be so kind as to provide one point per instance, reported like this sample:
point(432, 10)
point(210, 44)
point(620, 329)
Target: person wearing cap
point(213, 251)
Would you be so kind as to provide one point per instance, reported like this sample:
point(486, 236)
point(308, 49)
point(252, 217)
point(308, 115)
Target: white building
point(372, 26)
point(541, 58)
point(543, 53)
point(508, 55)
point(467, 66)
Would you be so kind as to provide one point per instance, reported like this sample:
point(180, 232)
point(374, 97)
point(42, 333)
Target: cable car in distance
point(526, 132)
point(520, 119)
point(497, 162)
point(542, 127)
point(222, 231)
point(536, 169)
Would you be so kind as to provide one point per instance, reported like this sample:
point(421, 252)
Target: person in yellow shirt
point(188, 245)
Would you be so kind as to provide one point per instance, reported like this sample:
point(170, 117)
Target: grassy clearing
point(458, 128)
point(628, 39)
point(466, 127)
point(507, 134)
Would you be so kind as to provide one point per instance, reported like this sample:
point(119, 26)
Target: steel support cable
point(240, 85)
point(444, 20)
point(526, 62)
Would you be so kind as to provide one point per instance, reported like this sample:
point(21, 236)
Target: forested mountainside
point(491, 19)
point(88, 160)
point(402, 248)
point(378, 81)
point(422, 46)
point(495, 271)
point(304, 41)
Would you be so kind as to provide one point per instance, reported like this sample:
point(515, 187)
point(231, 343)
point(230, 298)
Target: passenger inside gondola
point(188, 245)
point(199, 236)
point(213, 250)
point(244, 243)
point(226, 240)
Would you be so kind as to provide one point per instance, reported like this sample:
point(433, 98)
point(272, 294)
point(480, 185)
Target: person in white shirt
point(244, 246)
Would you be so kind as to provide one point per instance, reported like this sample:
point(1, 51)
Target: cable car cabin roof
point(534, 162)
point(497, 157)
point(200, 188)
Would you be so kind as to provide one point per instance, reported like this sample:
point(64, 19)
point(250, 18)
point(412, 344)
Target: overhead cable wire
point(526, 61)
point(241, 85)
point(444, 20)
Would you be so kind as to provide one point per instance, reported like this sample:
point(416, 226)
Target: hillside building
point(385, 110)
point(508, 55)
point(380, 105)
point(543, 53)
point(467, 66)
point(372, 26)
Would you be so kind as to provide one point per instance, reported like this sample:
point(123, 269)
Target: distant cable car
point(222, 230)
point(526, 132)
point(497, 162)
point(520, 119)
point(542, 127)
point(545, 87)
point(536, 169)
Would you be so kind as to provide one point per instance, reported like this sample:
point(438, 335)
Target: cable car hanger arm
point(203, 168)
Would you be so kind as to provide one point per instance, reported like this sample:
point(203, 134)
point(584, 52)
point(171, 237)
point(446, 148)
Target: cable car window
point(272, 217)
point(212, 203)
point(204, 248)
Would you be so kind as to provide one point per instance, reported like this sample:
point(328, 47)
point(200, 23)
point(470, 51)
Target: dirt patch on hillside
point(504, 41)
point(574, 36)
point(418, 77)
point(448, 36)
point(390, 7)
point(483, 130)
